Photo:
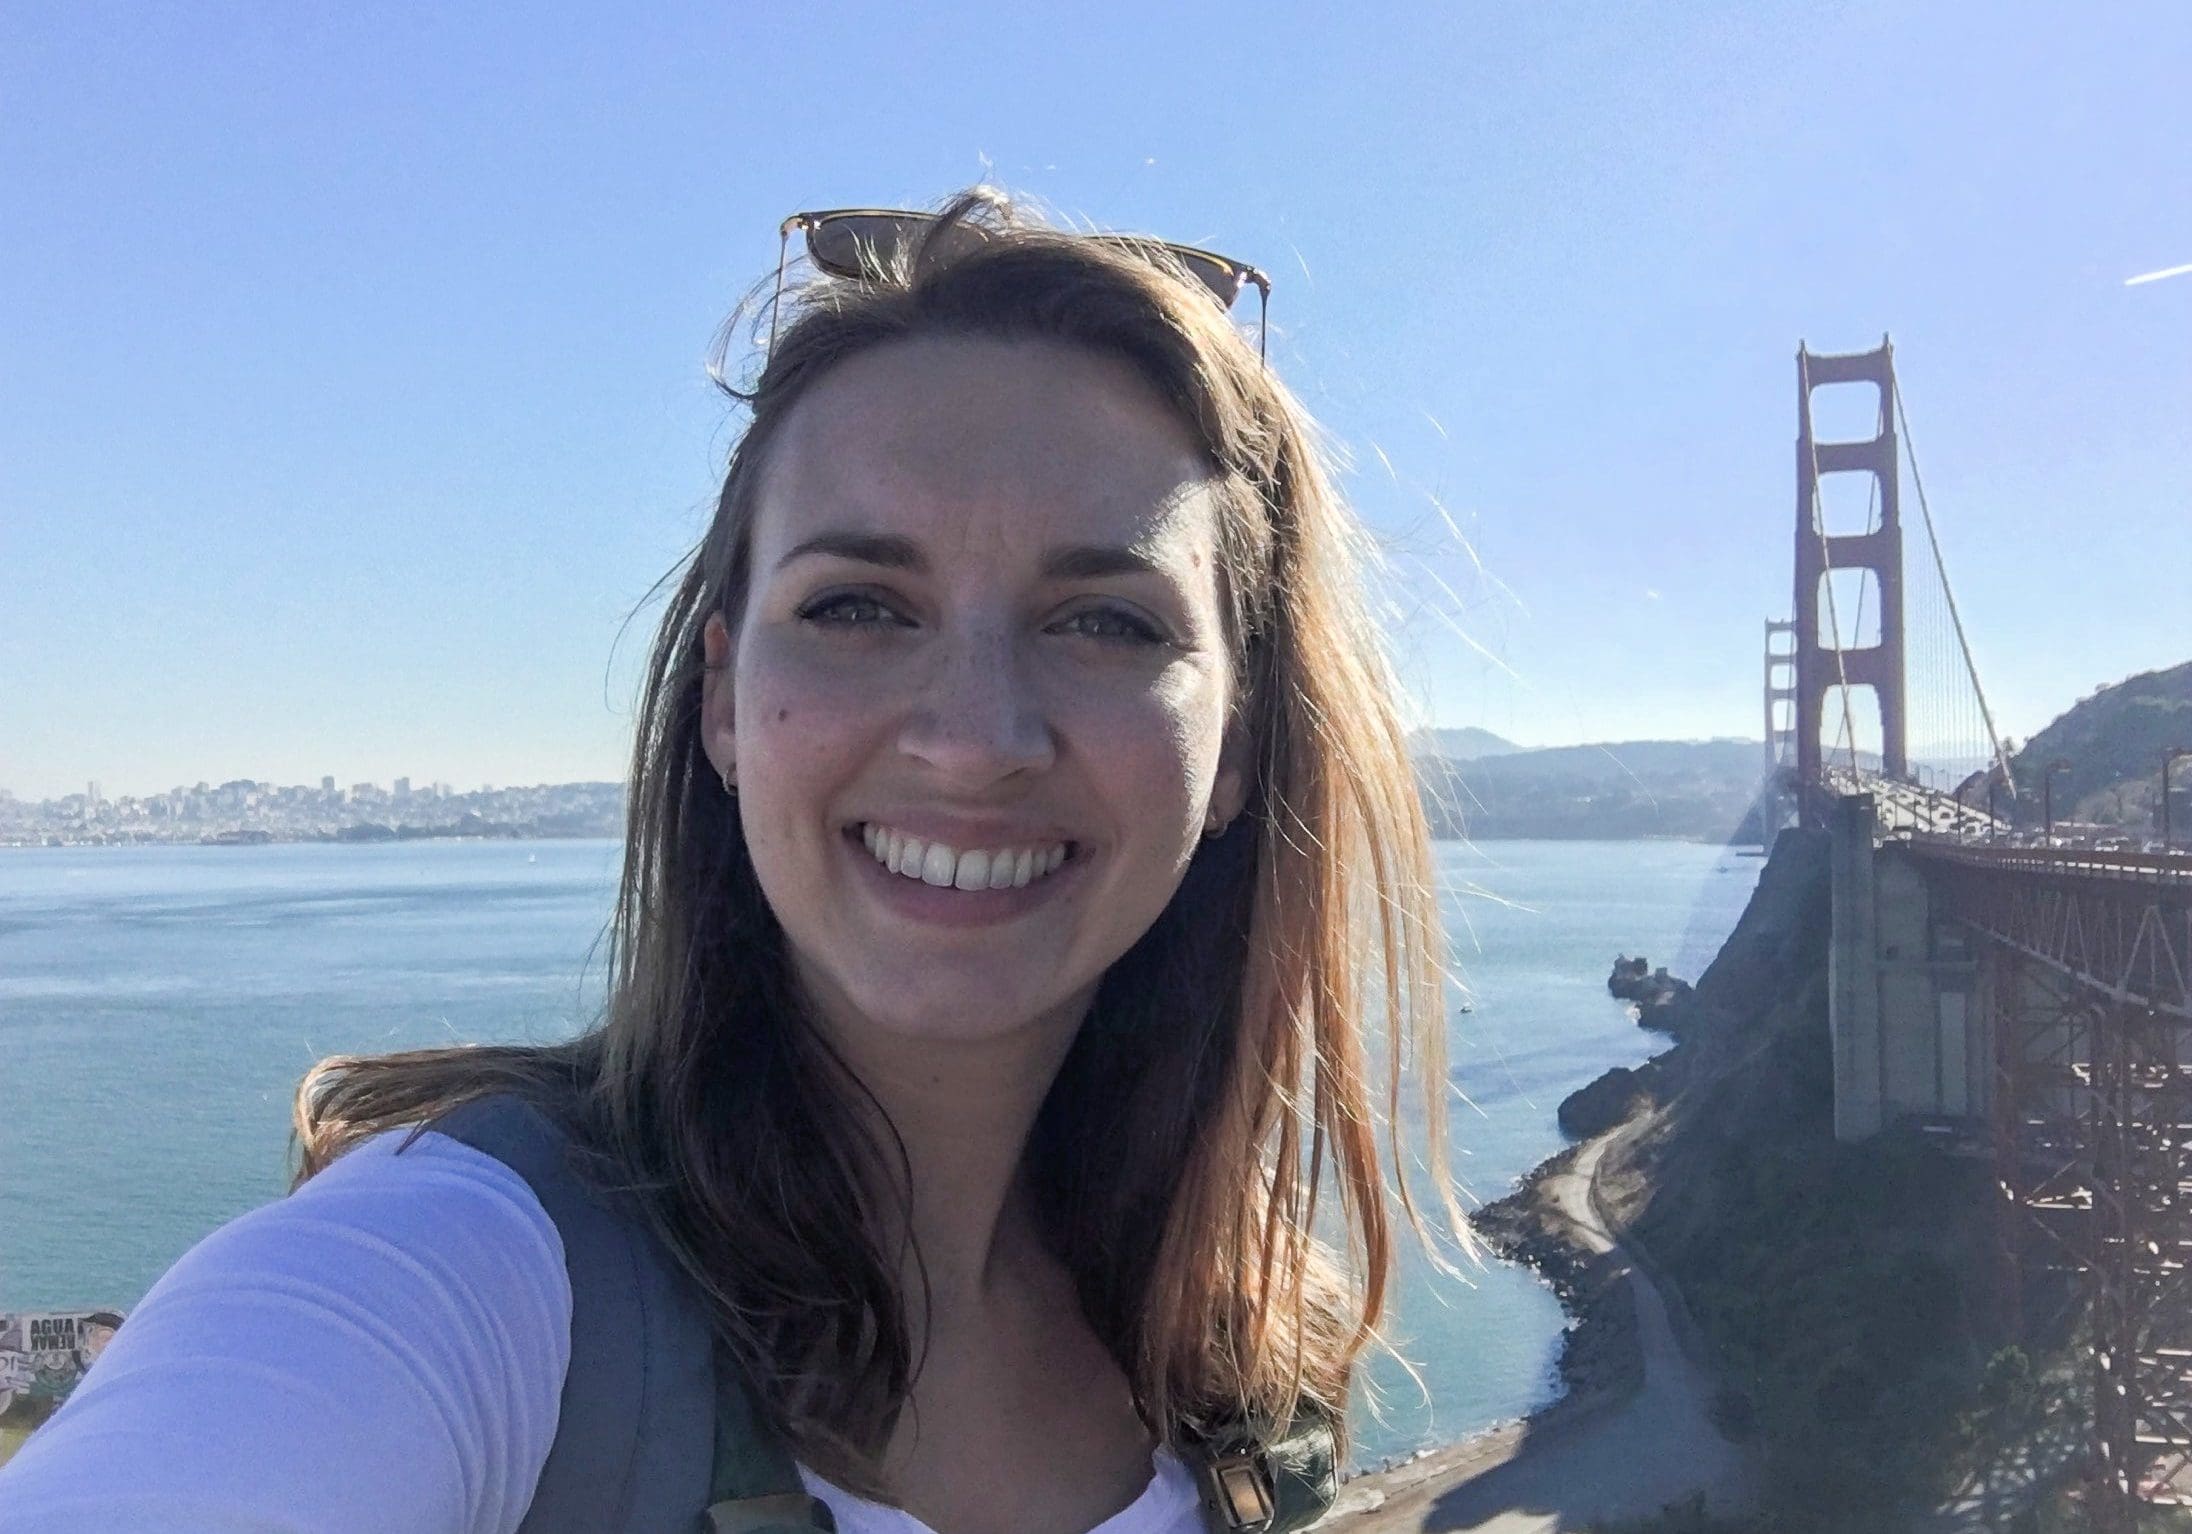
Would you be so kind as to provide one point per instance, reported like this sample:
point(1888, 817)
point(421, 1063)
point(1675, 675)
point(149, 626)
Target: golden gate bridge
point(2030, 994)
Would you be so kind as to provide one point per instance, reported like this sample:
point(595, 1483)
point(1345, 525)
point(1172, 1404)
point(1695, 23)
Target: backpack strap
point(634, 1426)
point(1250, 1486)
point(753, 1484)
point(657, 1429)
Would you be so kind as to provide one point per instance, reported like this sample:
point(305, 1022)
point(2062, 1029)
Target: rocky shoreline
point(1601, 1362)
point(1681, 1165)
point(1599, 1353)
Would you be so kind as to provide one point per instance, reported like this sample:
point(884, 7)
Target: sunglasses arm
point(783, 245)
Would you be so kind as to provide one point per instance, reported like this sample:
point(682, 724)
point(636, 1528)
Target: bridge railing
point(2170, 869)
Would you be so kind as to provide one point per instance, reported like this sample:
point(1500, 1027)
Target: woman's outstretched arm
point(384, 1349)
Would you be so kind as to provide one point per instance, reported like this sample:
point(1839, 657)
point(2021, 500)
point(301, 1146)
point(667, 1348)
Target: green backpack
point(658, 1430)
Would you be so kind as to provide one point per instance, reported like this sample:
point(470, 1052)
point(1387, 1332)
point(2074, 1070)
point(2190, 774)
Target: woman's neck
point(963, 1110)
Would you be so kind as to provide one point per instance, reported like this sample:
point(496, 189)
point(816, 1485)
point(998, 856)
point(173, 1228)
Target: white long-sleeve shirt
point(383, 1349)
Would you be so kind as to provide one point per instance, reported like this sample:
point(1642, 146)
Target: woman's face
point(983, 625)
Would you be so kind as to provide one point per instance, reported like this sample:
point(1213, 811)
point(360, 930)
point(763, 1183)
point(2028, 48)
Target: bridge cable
point(1826, 563)
point(1941, 568)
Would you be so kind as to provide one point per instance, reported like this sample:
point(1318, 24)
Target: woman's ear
point(717, 736)
point(1229, 792)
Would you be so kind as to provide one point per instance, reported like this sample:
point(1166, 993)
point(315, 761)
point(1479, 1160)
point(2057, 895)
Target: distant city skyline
point(352, 393)
point(385, 782)
point(397, 788)
point(243, 810)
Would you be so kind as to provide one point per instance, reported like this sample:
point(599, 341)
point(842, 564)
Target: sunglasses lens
point(1223, 278)
point(880, 247)
point(863, 246)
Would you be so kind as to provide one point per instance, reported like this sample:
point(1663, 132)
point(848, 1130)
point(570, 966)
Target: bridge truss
point(2087, 986)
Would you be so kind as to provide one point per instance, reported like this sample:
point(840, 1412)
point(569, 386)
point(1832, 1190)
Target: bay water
point(159, 1004)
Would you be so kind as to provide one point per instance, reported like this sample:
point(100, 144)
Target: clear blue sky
point(351, 382)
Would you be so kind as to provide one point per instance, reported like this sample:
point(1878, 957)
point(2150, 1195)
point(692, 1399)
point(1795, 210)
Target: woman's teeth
point(949, 868)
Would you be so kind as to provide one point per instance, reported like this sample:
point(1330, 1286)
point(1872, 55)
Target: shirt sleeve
point(384, 1349)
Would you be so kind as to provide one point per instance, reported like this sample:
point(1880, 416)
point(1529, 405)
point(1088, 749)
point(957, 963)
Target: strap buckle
point(1240, 1488)
point(783, 1512)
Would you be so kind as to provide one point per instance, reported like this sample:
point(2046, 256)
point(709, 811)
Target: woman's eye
point(1113, 623)
point(849, 610)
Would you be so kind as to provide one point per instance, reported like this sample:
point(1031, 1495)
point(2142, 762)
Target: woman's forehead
point(980, 444)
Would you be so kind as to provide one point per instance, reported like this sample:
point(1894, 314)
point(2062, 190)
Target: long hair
point(1222, 1085)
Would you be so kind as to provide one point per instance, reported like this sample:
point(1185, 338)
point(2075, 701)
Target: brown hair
point(1223, 1073)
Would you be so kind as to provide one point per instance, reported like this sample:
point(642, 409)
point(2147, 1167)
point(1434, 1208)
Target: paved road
point(1657, 1447)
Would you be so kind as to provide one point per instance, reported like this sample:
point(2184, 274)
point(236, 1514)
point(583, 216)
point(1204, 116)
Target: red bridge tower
point(1827, 653)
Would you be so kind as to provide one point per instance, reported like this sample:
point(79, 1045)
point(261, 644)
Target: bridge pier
point(1853, 976)
point(1899, 988)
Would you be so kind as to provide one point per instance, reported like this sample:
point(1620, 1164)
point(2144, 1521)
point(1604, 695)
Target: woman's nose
point(977, 715)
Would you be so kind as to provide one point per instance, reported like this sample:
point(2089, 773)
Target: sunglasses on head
point(872, 244)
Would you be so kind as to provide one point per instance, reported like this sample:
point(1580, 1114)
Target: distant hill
point(2113, 741)
point(1466, 744)
point(1693, 790)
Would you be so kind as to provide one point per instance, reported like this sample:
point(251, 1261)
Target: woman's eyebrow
point(1079, 561)
point(1087, 561)
point(887, 549)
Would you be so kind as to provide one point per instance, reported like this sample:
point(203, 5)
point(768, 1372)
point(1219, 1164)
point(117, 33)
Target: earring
point(729, 785)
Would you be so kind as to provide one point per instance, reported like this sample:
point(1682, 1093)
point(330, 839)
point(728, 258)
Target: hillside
point(1688, 789)
point(2114, 742)
point(1465, 743)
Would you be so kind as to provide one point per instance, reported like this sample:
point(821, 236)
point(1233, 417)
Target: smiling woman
point(1021, 843)
point(1035, 533)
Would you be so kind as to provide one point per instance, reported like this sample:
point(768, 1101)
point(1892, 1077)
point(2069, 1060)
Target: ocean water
point(158, 1006)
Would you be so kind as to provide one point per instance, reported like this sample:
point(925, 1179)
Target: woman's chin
point(949, 1021)
point(952, 1006)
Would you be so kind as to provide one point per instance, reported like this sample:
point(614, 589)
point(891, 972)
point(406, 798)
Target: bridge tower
point(1827, 656)
point(1776, 783)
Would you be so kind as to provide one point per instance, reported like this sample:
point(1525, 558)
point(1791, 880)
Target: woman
point(1019, 796)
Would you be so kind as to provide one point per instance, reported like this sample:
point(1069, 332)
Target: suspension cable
point(1940, 566)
